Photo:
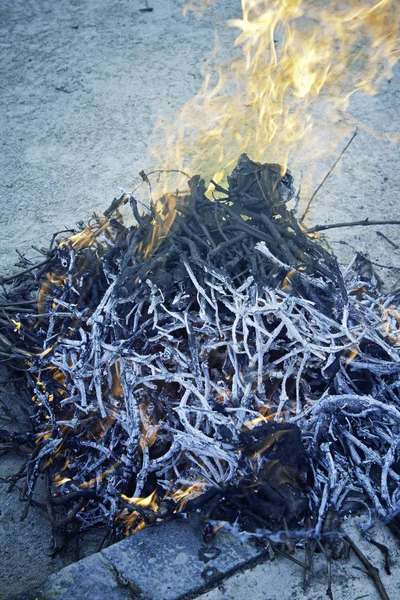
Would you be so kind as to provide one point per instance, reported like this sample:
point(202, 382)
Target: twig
point(294, 560)
point(303, 216)
point(168, 171)
point(17, 275)
point(382, 235)
point(329, 592)
point(363, 223)
point(53, 238)
point(372, 571)
point(385, 551)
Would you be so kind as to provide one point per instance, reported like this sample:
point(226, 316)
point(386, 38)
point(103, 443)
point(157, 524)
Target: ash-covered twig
point(211, 352)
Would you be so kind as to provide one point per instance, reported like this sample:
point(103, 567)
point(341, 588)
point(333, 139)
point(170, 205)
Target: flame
point(219, 526)
point(86, 237)
point(351, 354)
point(59, 377)
point(129, 519)
point(269, 441)
point(58, 480)
point(66, 465)
point(116, 387)
point(148, 502)
point(298, 64)
point(182, 495)
point(149, 431)
point(261, 419)
point(287, 280)
point(164, 210)
point(46, 290)
point(390, 325)
point(17, 325)
point(83, 239)
point(43, 436)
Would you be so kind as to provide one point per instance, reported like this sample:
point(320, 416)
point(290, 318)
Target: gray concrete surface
point(81, 85)
point(283, 580)
point(164, 562)
point(171, 562)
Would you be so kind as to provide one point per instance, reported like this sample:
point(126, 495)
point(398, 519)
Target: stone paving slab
point(92, 578)
point(171, 562)
point(163, 562)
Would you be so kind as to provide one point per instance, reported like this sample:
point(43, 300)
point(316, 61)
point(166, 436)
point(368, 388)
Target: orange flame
point(58, 480)
point(130, 519)
point(391, 324)
point(116, 387)
point(149, 431)
point(45, 293)
point(351, 354)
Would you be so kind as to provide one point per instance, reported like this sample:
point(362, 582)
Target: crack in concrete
point(128, 588)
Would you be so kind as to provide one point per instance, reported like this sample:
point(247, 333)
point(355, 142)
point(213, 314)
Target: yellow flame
point(148, 502)
point(351, 354)
point(46, 290)
point(60, 480)
point(297, 67)
point(269, 441)
point(43, 436)
point(183, 494)
point(287, 280)
point(65, 466)
point(140, 526)
point(257, 420)
point(17, 325)
point(80, 240)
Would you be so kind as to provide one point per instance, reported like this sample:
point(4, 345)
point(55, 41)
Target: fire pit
point(213, 355)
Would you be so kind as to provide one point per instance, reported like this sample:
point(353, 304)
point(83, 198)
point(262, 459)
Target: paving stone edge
point(98, 576)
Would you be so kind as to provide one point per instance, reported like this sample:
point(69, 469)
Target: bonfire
point(207, 352)
point(221, 361)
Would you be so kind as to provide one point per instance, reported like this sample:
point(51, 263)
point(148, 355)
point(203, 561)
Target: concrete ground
point(82, 85)
point(171, 561)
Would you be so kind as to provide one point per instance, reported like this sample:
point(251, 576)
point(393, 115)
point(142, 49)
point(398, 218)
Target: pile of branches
point(212, 354)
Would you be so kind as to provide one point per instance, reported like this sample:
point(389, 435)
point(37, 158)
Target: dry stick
point(303, 216)
point(329, 569)
point(165, 171)
point(372, 571)
point(382, 235)
point(12, 479)
point(363, 223)
point(16, 304)
point(291, 558)
point(385, 551)
point(16, 275)
point(58, 233)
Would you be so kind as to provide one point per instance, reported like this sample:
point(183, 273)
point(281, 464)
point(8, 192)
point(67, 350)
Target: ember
point(217, 359)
